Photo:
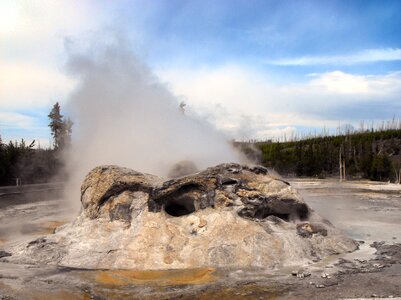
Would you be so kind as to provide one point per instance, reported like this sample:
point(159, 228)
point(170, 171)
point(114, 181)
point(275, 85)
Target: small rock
point(310, 229)
point(373, 296)
point(378, 266)
point(300, 274)
point(6, 297)
point(202, 223)
point(4, 253)
point(319, 286)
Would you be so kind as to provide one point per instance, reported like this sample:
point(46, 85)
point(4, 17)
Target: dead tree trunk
point(344, 177)
point(399, 177)
point(341, 166)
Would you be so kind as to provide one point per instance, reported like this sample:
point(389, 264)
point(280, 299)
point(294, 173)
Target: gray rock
point(4, 253)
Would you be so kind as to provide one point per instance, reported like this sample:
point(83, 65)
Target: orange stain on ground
point(165, 277)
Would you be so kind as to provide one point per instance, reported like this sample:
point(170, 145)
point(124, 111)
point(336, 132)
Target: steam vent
point(225, 216)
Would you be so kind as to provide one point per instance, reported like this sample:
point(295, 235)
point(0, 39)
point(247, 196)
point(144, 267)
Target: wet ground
point(368, 212)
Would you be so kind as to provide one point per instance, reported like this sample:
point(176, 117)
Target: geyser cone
point(225, 216)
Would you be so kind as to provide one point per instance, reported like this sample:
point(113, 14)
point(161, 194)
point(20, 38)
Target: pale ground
point(366, 211)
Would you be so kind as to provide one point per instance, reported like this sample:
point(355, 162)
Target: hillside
point(374, 155)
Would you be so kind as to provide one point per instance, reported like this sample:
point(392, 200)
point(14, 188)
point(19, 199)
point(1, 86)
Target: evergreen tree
point(56, 126)
point(61, 128)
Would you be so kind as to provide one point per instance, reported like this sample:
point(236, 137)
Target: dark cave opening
point(179, 207)
point(264, 213)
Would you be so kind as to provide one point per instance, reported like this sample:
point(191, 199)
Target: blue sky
point(255, 69)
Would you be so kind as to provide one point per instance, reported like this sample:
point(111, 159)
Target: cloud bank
point(365, 56)
point(247, 104)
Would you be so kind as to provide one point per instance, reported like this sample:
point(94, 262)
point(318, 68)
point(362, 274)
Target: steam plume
point(124, 115)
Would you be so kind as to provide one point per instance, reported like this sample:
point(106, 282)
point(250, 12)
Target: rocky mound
point(226, 216)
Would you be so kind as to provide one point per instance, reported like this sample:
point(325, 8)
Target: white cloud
point(15, 120)
point(8, 16)
point(338, 82)
point(32, 37)
point(365, 56)
point(28, 86)
point(32, 48)
point(46, 18)
point(247, 104)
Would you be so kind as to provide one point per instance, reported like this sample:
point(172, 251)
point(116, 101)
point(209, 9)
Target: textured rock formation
point(226, 216)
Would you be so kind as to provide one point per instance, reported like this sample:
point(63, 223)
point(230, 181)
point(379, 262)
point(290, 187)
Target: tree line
point(25, 163)
point(373, 154)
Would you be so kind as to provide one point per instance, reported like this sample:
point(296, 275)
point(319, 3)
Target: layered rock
point(226, 216)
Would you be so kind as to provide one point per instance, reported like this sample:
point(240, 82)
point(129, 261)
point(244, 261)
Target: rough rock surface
point(226, 216)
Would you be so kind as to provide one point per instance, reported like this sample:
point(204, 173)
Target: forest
point(371, 154)
point(22, 163)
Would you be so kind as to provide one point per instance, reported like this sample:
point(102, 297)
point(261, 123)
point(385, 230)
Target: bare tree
point(182, 107)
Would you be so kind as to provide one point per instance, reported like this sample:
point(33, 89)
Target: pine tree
point(56, 126)
point(60, 129)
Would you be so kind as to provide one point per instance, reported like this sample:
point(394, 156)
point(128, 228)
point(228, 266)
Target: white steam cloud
point(125, 116)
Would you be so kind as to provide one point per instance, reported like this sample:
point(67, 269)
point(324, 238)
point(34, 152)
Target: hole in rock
point(285, 217)
point(229, 181)
point(302, 213)
point(286, 213)
point(263, 213)
point(179, 207)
